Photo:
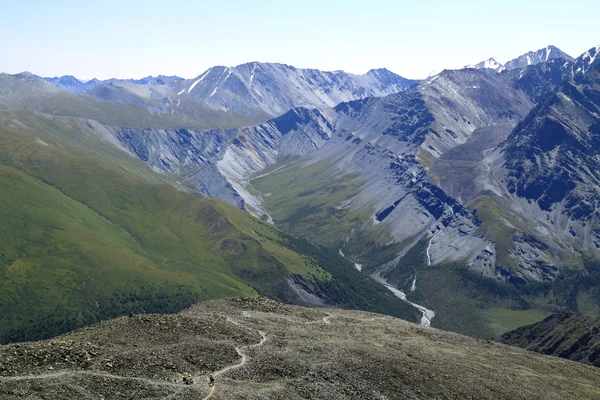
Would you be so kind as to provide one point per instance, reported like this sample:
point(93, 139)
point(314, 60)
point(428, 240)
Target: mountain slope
point(549, 162)
point(567, 335)
point(536, 57)
point(255, 89)
point(257, 348)
point(89, 232)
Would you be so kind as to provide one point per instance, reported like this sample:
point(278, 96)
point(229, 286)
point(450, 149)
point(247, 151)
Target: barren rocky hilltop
point(262, 349)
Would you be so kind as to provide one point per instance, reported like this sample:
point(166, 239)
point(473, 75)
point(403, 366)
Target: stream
point(427, 314)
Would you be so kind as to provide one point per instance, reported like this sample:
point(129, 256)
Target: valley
point(409, 180)
point(299, 200)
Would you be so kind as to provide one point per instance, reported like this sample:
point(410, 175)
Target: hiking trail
point(241, 353)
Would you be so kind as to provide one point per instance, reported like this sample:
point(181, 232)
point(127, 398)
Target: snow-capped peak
point(490, 63)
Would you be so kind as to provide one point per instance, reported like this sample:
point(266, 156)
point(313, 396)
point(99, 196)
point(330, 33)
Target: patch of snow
point(252, 74)
point(199, 80)
point(213, 92)
point(491, 64)
point(548, 51)
point(40, 141)
point(180, 93)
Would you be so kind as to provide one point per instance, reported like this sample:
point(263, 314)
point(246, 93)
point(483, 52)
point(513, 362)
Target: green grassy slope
point(306, 201)
point(89, 232)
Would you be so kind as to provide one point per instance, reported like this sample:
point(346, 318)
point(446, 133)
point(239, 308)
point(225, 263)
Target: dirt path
point(241, 353)
point(239, 350)
point(325, 320)
point(88, 373)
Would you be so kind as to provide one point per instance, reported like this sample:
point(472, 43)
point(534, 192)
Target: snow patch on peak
point(490, 63)
point(252, 74)
point(193, 85)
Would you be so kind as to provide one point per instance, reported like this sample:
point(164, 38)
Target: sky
point(133, 39)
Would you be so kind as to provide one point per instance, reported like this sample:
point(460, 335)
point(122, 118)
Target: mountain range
point(255, 90)
point(470, 193)
point(530, 58)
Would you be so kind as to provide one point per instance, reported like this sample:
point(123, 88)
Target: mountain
point(353, 177)
point(490, 63)
point(71, 84)
point(539, 80)
point(258, 89)
point(258, 348)
point(548, 167)
point(154, 80)
point(90, 232)
point(583, 63)
point(568, 335)
point(438, 191)
point(133, 109)
point(536, 57)
point(411, 187)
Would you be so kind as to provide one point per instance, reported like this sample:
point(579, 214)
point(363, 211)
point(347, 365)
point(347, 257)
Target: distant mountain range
point(71, 84)
point(530, 58)
point(275, 88)
point(255, 90)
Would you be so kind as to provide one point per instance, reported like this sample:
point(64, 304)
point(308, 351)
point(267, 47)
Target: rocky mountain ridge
point(256, 90)
point(567, 335)
point(276, 88)
point(530, 58)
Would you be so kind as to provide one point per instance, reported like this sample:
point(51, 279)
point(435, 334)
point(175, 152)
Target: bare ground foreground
point(261, 349)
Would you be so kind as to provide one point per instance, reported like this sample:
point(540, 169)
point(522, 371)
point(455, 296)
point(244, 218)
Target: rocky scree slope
point(548, 167)
point(270, 350)
point(568, 335)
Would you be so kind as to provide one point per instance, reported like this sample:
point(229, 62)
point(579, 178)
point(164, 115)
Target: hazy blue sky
point(138, 38)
